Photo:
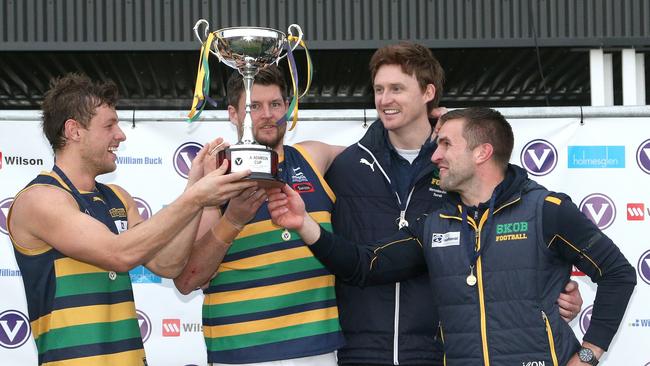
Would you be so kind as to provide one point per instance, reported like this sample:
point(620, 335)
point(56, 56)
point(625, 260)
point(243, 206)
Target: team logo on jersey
point(183, 157)
point(143, 208)
point(145, 325)
point(117, 213)
point(643, 156)
point(585, 318)
point(600, 209)
point(4, 214)
point(512, 231)
point(539, 157)
point(297, 176)
point(643, 267)
point(14, 329)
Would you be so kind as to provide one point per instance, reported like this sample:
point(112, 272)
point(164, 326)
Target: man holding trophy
point(270, 301)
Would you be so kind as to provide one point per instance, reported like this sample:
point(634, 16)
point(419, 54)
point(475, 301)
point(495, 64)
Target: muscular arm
point(61, 225)
point(208, 252)
point(321, 153)
point(576, 239)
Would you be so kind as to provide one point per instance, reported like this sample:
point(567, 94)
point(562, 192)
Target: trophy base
point(261, 160)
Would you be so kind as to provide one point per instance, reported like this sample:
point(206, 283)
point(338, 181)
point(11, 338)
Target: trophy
point(248, 50)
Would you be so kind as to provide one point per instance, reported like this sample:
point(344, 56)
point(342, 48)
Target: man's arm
point(171, 259)
point(209, 251)
point(394, 259)
point(570, 234)
point(321, 153)
point(77, 235)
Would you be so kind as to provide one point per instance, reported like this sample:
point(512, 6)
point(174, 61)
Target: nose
point(437, 156)
point(266, 111)
point(120, 136)
point(385, 97)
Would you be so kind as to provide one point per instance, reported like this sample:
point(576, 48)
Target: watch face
point(585, 355)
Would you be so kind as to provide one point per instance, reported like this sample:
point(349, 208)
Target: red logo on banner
point(576, 272)
point(635, 212)
point(171, 327)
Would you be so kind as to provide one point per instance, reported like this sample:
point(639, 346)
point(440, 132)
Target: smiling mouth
point(390, 111)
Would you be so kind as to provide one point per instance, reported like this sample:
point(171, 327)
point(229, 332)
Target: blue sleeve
point(393, 259)
point(571, 235)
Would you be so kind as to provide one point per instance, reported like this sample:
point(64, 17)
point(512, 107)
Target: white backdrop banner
point(603, 163)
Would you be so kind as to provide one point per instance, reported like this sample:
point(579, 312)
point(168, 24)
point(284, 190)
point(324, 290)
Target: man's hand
point(242, 208)
point(438, 112)
point(286, 207)
point(205, 161)
point(215, 188)
point(598, 352)
point(570, 301)
point(288, 210)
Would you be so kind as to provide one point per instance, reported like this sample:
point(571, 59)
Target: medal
point(471, 279)
point(286, 235)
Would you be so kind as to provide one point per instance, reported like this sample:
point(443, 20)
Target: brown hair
point(73, 96)
point(414, 59)
point(270, 75)
point(485, 125)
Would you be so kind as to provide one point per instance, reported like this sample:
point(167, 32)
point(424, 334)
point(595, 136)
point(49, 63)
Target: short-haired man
point(271, 302)
point(394, 182)
point(76, 239)
point(497, 290)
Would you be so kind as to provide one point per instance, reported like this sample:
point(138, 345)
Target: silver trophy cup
point(249, 49)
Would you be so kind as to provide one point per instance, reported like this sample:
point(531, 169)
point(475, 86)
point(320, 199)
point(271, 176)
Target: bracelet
point(225, 230)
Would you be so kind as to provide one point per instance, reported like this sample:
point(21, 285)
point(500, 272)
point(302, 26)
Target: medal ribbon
point(472, 253)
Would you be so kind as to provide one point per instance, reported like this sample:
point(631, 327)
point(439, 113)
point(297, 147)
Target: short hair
point(270, 75)
point(73, 96)
point(485, 125)
point(414, 59)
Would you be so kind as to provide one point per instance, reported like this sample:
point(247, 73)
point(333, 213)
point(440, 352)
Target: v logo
point(646, 150)
point(539, 161)
point(5, 211)
point(11, 333)
point(186, 159)
point(647, 262)
point(597, 216)
point(366, 162)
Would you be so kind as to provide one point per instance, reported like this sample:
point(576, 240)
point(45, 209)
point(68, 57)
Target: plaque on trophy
point(248, 50)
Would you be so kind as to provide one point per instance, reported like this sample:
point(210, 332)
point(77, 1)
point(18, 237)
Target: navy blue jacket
point(394, 323)
point(529, 239)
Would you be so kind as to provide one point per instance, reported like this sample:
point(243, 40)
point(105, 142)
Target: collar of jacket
point(515, 183)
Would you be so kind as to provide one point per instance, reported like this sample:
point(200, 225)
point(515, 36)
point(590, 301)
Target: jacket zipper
point(479, 271)
point(442, 338)
point(551, 342)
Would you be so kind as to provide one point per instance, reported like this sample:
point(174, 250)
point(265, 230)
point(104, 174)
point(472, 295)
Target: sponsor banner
point(582, 157)
point(154, 161)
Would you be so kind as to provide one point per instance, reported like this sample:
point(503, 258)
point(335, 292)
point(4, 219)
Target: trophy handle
point(206, 31)
point(289, 35)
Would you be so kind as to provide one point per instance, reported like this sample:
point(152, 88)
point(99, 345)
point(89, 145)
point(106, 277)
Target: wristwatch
point(586, 355)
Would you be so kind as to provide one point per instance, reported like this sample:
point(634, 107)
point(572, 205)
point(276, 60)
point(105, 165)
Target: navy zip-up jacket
point(393, 323)
point(509, 316)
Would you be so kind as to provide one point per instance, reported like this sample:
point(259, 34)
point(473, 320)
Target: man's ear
point(232, 115)
point(429, 93)
point(71, 130)
point(483, 153)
